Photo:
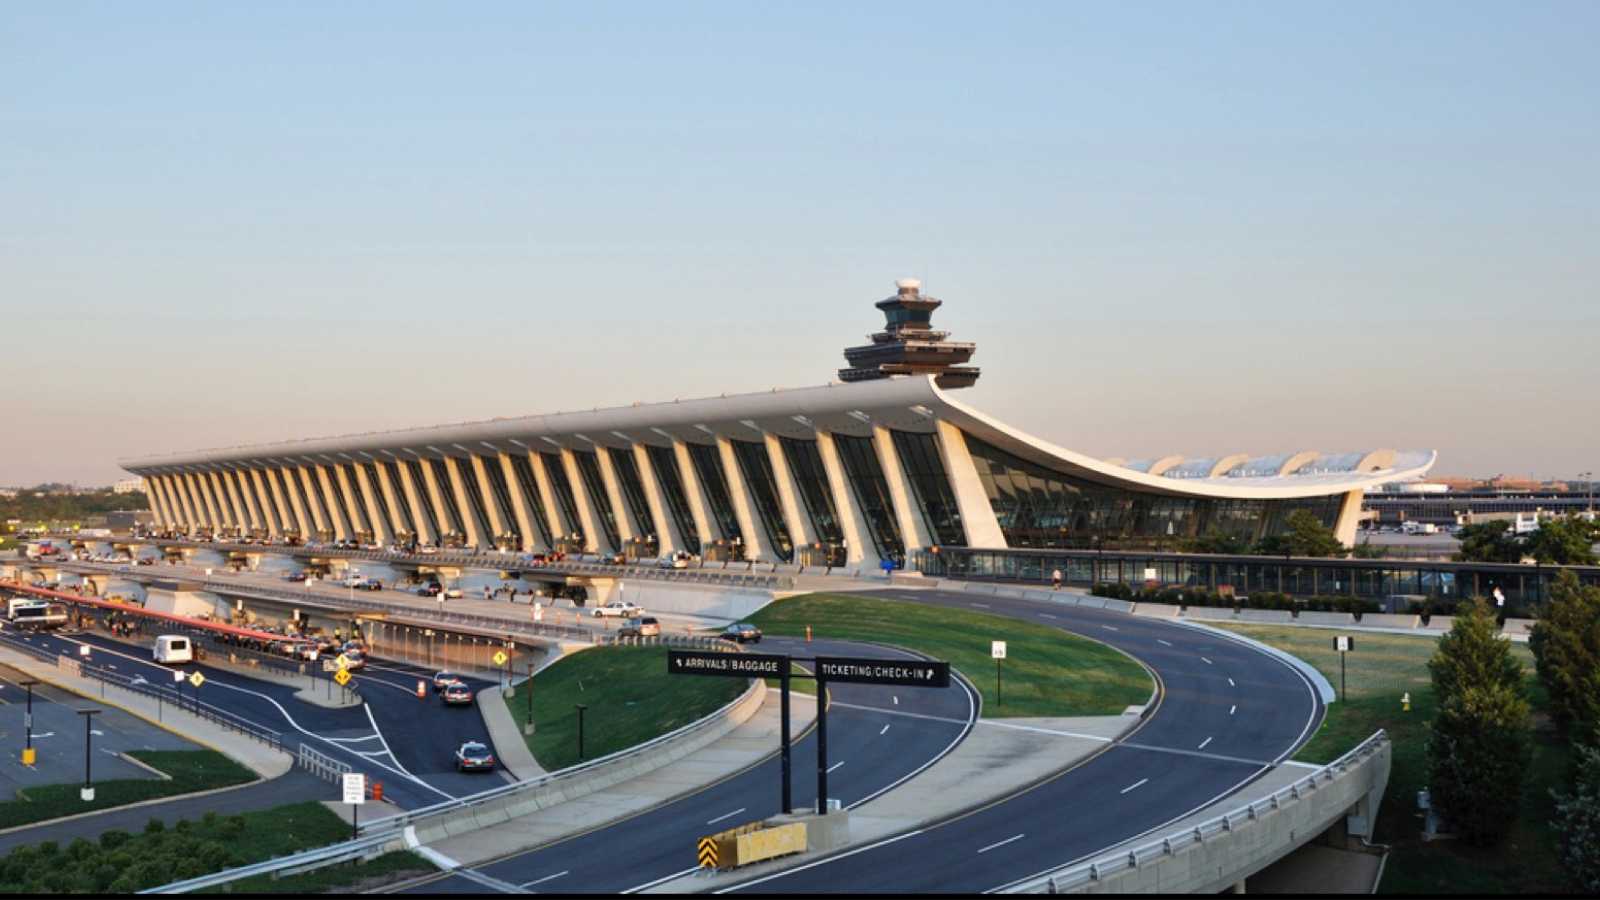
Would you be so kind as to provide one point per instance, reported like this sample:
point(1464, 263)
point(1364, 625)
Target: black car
point(742, 632)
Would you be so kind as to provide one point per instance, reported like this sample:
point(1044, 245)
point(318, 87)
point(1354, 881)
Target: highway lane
point(1228, 712)
point(405, 743)
point(872, 745)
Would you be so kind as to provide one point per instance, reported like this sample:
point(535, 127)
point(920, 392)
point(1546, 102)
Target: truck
point(1419, 528)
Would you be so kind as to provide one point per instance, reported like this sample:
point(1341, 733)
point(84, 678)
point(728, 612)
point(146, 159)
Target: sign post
point(997, 649)
point(1343, 643)
point(355, 794)
point(753, 665)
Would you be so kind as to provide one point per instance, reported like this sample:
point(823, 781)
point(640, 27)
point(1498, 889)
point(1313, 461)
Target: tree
point(1566, 649)
point(1478, 753)
point(1216, 542)
point(1369, 550)
point(1564, 541)
point(1303, 535)
point(1489, 542)
point(1473, 654)
point(1577, 821)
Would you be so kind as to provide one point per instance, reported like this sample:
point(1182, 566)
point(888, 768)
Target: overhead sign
point(197, 679)
point(342, 677)
point(910, 672)
point(355, 788)
point(1344, 643)
point(701, 662)
point(997, 649)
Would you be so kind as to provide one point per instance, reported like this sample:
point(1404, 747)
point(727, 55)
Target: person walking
point(1055, 580)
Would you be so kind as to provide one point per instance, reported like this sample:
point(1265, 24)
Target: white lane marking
point(1015, 837)
point(750, 884)
point(1203, 744)
point(1048, 616)
point(353, 740)
point(897, 700)
point(1163, 643)
point(1231, 684)
point(1135, 785)
point(529, 884)
point(504, 887)
point(979, 605)
point(835, 766)
point(1206, 661)
point(1233, 709)
point(1110, 627)
point(662, 880)
point(884, 731)
point(1196, 753)
point(966, 728)
point(725, 816)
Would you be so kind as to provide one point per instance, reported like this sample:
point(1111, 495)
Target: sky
point(1169, 227)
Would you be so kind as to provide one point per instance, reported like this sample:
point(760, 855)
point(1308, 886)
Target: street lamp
point(580, 707)
point(88, 785)
point(28, 754)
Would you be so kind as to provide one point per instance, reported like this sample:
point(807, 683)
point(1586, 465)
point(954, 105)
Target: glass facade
point(805, 464)
point(627, 470)
point(355, 499)
point(502, 497)
point(924, 468)
point(447, 496)
point(476, 500)
point(1039, 507)
point(871, 491)
point(589, 469)
point(523, 468)
point(665, 462)
point(408, 521)
point(270, 501)
point(562, 488)
point(756, 466)
point(275, 479)
point(708, 465)
point(371, 470)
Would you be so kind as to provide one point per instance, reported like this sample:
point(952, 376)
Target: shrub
point(1577, 821)
point(1472, 654)
point(1478, 752)
point(1566, 649)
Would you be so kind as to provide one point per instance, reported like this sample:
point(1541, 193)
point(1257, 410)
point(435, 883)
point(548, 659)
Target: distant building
point(128, 486)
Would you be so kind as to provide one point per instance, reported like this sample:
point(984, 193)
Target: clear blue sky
point(1170, 227)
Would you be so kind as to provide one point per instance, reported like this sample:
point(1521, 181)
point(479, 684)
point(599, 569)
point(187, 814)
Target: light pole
point(580, 708)
point(88, 784)
point(27, 724)
point(527, 728)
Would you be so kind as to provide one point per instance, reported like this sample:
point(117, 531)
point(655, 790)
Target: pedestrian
point(1055, 580)
point(538, 612)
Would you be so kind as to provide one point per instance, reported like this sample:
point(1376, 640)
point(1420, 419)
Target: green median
point(190, 771)
point(629, 698)
point(1047, 672)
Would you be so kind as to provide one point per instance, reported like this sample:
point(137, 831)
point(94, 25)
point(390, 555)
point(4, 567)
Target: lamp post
point(580, 707)
point(27, 724)
point(527, 727)
point(88, 784)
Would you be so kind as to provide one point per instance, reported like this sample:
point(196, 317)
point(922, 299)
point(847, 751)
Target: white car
point(618, 608)
point(678, 560)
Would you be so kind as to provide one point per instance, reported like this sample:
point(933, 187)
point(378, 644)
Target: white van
point(173, 648)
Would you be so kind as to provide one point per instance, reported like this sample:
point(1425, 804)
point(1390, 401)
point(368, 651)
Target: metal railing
point(321, 764)
point(303, 861)
point(1078, 875)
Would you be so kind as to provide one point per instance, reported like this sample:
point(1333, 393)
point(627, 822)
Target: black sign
point(909, 672)
point(741, 665)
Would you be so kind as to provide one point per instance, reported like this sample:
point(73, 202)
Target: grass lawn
point(630, 699)
point(1047, 671)
point(191, 770)
point(1380, 669)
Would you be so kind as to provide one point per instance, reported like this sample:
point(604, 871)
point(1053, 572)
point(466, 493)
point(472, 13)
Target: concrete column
point(458, 489)
point(912, 529)
point(177, 501)
point(977, 513)
point(190, 491)
point(352, 504)
point(1349, 516)
point(272, 512)
point(801, 530)
point(287, 476)
point(594, 537)
point(308, 492)
point(381, 527)
point(415, 497)
point(755, 537)
point(169, 499)
point(491, 505)
point(331, 506)
point(667, 537)
point(695, 493)
point(214, 507)
point(206, 511)
point(244, 513)
point(436, 496)
point(157, 507)
point(608, 479)
point(391, 494)
point(219, 490)
point(519, 506)
point(241, 487)
point(860, 550)
point(547, 495)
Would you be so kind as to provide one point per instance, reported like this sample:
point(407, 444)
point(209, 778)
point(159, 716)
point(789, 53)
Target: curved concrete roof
point(911, 404)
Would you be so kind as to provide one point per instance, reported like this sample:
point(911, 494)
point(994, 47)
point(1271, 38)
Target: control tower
point(908, 344)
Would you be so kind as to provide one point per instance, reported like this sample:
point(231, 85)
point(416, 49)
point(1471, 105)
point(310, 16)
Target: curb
point(1324, 689)
point(151, 802)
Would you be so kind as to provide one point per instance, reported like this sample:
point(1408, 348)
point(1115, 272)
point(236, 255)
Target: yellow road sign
point(197, 679)
point(708, 853)
point(500, 657)
point(343, 663)
point(342, 676)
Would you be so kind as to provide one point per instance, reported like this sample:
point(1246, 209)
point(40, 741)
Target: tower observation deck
point(909, 345)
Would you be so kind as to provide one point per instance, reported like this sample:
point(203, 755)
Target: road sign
point(328, 665)
point(83, 649)
point(742, 665)
point(197, 679)
point(342, 677)
point(500, 657)
point(911, 672)
point(708, 853)
point(1344, 643)
point(355, 788)
point(997, 649)
point(343, 663)
point(178, 675)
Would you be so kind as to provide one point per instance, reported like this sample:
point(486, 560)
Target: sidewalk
point(740, 748)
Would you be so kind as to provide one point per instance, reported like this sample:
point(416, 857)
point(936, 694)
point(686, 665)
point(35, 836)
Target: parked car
point(354, 660)
point(677, 560)
point(441, 680)
point(294, 576)
point(618, 608)
point(429, 590)
point(742, 632)
point(474, 757)
point(457, 694)
point(369, 584)
point(641, 626)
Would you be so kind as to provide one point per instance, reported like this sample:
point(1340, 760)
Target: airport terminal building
point(878, 466)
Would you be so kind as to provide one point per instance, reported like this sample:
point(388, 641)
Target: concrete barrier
point(1265, 616)
point(1518, 626)
point(1155, 610)
point(1091, 601)
point(1439, 623)
point(1210, 613)
point(1311, 617)
point(1389, 620)
point(1116, 605)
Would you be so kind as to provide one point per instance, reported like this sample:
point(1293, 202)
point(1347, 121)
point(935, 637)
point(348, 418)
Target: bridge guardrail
point(303, 861)
point(1077, 876)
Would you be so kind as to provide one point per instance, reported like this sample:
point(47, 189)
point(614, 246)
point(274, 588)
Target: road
point(406, 743)
point(878, 741)
point(1227, 714)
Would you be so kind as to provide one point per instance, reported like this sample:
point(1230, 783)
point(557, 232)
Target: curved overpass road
point(884, 736)
point(1228, 714)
